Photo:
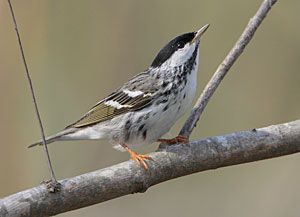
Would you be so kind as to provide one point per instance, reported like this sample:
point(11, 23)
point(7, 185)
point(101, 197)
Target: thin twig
point(168, 163)
point(54, 184)
point(225, 66)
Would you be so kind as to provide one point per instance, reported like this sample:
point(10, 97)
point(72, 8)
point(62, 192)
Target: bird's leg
point(139, 158)
point(176, 140)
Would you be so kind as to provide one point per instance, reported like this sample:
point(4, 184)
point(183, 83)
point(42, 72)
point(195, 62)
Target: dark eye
point(180, 45)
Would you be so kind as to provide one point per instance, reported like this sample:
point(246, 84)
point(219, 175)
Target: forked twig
point(224, 67)
point(53, 184)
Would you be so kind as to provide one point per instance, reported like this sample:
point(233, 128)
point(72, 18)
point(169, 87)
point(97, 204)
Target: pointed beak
point(199, 33)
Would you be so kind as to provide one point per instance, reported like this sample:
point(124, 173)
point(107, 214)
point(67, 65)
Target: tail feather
point(53, 138)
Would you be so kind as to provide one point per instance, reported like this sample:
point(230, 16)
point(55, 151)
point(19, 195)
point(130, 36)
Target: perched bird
point(147, 106)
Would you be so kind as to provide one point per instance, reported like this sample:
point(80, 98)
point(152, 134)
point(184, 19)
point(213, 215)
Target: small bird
point(147, 106)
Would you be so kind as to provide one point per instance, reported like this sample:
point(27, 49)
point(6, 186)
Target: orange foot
point(177, 139)
point(139, 158)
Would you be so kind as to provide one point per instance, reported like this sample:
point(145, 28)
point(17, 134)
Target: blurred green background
point(79, 51)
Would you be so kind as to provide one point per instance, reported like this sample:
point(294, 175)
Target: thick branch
point(169, 162)
point(223, 68)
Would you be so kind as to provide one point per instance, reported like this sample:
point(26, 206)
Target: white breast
point(163, 121)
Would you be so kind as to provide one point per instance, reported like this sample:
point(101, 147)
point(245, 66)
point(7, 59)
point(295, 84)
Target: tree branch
point(224, 67)
point(169, 162)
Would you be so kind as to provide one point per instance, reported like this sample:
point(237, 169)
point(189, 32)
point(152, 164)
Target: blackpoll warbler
point(147, 106)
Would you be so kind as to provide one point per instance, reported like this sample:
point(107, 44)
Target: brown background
point(79, 51)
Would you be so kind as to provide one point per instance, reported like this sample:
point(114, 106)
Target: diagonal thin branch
point(225, 66)
point(54, 182)
point(168, 163)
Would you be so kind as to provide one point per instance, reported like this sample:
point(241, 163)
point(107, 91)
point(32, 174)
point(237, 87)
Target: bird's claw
point(140, 158)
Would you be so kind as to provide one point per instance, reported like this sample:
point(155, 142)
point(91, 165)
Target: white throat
point(181, 55)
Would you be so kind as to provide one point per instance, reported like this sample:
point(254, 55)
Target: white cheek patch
point(181, 55)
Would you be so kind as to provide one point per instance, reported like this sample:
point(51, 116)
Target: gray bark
point(169, 162)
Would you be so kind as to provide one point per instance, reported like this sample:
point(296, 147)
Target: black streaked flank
point(166, 108)
point(141, 127)
point(139, 120)
point(127, 125)
point(160, 101)
point(127, 130)
point(145, 134)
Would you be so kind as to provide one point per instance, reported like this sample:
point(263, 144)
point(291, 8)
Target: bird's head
point(179, 49)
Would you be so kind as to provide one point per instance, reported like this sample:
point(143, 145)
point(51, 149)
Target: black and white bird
point(147, 106)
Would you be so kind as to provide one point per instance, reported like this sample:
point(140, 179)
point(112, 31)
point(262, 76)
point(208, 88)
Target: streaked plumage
point(147, 106)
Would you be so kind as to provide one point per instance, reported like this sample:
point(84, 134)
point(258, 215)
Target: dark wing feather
point(102, 112)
